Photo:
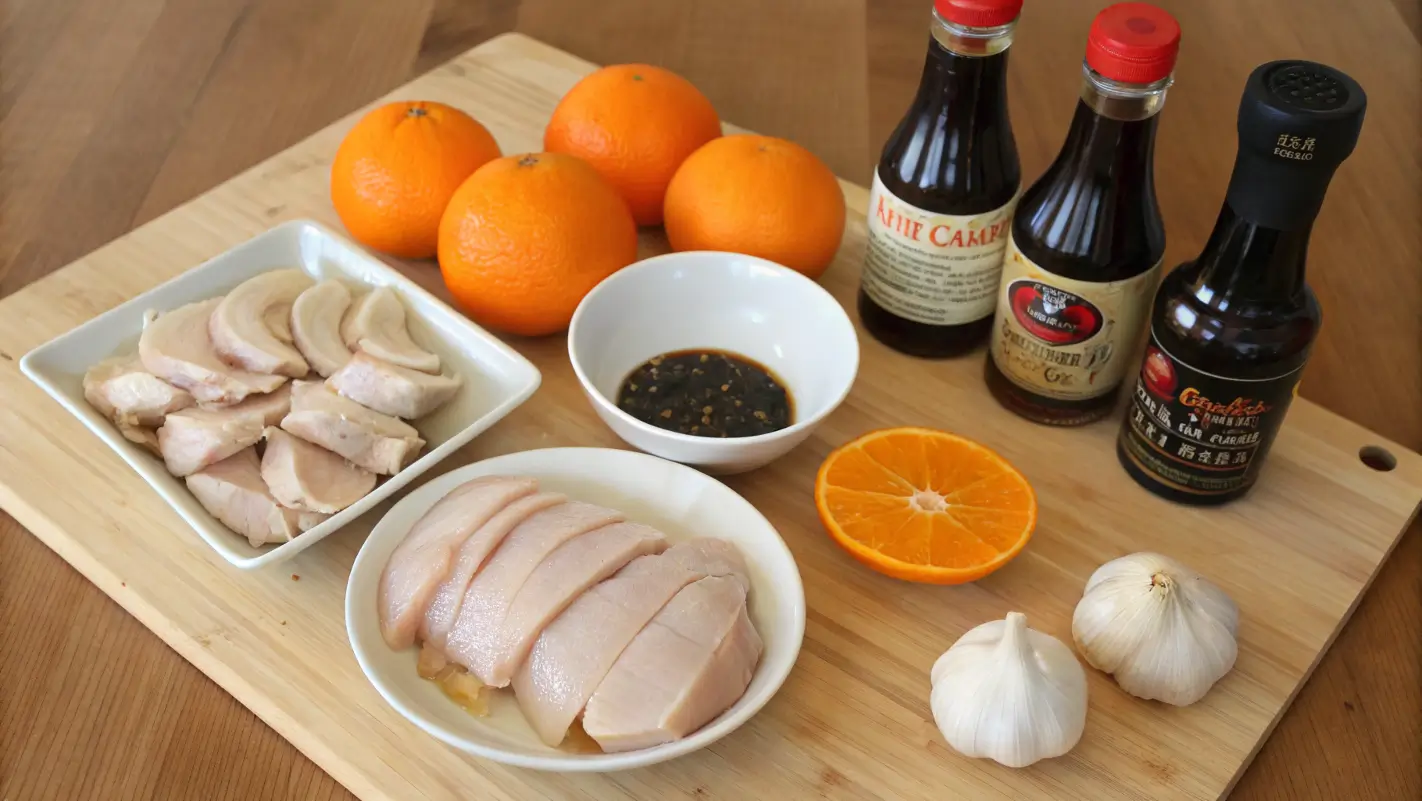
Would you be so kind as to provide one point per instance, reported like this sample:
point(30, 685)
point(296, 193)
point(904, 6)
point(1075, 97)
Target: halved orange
point(925, 505)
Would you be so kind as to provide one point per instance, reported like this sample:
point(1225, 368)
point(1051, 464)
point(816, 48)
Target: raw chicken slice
point(233, 492)
point(316, 326)
point(574, 653)
point(177, 348)
point(567, 573)
point(390, 389)
point(686, 667)
point(449, 596)
point(474, 639)
point(423, 559)
point(376, 325)
point(192, 439)
point(310, 478)
point(123, 391)
point(377, 442)
point(708, 556)
point(239, 326)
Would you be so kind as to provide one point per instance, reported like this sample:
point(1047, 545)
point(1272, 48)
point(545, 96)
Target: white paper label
point(1062, 338)
point(939, 269)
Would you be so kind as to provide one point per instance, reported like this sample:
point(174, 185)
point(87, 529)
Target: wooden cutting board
point(853, 719)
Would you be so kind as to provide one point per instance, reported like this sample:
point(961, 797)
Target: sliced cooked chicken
point(177, 348)
point(240, 330)
point(390, 389)
point(192, 439)
point(310, 478)
point(140, 435)
point(123, 391)
point(690, 663)
point(422, 560)
point(279, 323)
point(377, 442)
point(475, 636)
point(233, 492)
point(272, 407)
point(443, 609)
point(575, 651)
point(566, 574)
point(376, 325)
point(316, 326)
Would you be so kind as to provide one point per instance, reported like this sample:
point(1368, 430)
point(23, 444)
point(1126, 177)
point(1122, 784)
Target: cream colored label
point(1066, 339)
point(940, 269)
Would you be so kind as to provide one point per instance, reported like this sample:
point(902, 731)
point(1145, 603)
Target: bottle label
point(1198, 432)
point(939, 269)
point(1062, 338)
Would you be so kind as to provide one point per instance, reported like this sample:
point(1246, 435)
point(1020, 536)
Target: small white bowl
point(677, 500)
point(496, 378)
point(714, 301)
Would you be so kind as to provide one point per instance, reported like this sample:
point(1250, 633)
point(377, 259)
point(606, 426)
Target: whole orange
point(757, 195)
point(526, 237)
point(397, 168)
point(635, 124)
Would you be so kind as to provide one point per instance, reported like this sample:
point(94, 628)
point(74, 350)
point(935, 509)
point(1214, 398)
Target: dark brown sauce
point(707, 393)
point(1092, 216)
point(952, 153)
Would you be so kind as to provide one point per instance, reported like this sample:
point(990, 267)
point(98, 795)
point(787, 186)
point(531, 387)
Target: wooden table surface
point(114, 111)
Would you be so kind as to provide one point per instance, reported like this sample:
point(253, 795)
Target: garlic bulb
point(1008, 693)
point(1164, 631)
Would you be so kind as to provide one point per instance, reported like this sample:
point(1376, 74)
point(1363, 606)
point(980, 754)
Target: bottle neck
point(1247, 262)
point(1113, 132)
point(970, 42)
point(967, 66)
point(1125, 102)
point(1111, 142)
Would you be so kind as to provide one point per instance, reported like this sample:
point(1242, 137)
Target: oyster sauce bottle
point(1230, 331)
point(1087, 239)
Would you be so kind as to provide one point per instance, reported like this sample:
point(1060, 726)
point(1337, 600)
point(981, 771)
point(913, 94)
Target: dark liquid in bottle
point(953, 153)
point(1092, 216)
point(1230, 333)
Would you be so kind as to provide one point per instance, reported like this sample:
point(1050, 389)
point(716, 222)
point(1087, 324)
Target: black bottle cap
point(1298, 120)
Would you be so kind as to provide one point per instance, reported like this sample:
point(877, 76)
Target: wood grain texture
point(112, 112)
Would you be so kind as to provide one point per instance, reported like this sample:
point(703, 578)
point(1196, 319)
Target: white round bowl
point(715, 301)
point(677, 500)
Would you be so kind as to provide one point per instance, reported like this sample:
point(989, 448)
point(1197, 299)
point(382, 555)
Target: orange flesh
point(925, 505)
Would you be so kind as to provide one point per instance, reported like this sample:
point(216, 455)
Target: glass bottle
point(944, 190)
point(1087, 239)
point(1230, 331)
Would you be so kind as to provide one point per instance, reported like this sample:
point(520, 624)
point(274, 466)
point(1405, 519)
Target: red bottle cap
point(978, 13)
point(1133, 43)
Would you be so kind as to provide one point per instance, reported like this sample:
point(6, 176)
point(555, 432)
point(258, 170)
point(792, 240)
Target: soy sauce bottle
point(1231, 330)
point(1086, 243)
point(944, 190)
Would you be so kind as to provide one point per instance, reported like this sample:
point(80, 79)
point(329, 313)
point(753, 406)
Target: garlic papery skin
point(1165, 632)
point(1010, 694)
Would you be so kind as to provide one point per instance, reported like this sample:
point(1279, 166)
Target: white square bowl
point(496, 378)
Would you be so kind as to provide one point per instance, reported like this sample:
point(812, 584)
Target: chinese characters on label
point(1198, 432)
point(1294, 147)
